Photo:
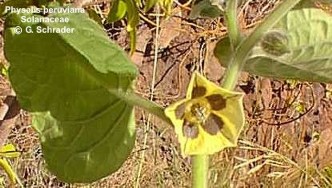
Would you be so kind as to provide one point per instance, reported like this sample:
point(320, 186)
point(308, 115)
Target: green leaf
point(3, 70)
point(223, 51)
point(309, 33)
point(133, 16)
point(326, 1)
point(305, 4)
point(4, 164)
point(14, 4)
point(149, 4)
point(9, 151)
point(42, 2)
point(94, 15)
point(204, 8)
point(118, 11)
point(310, 45)
point(133, 20)
point(312, 3)
point(166, 5)
point(74, 85)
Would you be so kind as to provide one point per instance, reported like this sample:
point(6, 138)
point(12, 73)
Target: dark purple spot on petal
point(179, 111)
point(216, 101)
point(198, 91)
point(190, 130)
point(213, 124)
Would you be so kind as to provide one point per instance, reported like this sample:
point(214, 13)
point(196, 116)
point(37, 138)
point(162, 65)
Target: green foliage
point(9, 151)
point(42, 2)
point(14, 3)
point(73, 84)
point(94, 15)
point(309, 44)
point(311, 3)
point(118, 11)
point(132, 14)
point(209, 8)
point(149, 4)
point(205, 8)
point(223, 50)
point(121, 8)
point(327, 173)
point(78, 86)
point(166, 5)
point(130, 9)
point(3, 70)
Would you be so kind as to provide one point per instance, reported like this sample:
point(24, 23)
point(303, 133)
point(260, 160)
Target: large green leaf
point(309, 33)
point(72, 83)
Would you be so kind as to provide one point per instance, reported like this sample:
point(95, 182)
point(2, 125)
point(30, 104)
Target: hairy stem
point(200, 169)
point(234, 32)
point(136, 100)
point(200, 166)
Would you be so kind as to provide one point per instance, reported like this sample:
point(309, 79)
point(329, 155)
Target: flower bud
point(275, 43)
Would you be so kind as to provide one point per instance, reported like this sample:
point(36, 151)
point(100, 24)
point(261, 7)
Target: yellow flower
point(209, 119)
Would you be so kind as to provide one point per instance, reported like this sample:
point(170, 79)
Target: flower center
point(199, 111)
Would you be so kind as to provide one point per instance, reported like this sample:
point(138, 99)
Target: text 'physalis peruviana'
point(209, 119)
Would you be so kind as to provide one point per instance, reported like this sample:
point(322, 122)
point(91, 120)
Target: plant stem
point(231, 76)
point(232, 23)
point(234, 35)
point(200, 169)
point(200, 165)
point(136, 100)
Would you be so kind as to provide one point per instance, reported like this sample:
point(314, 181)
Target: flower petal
point(209, 119)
